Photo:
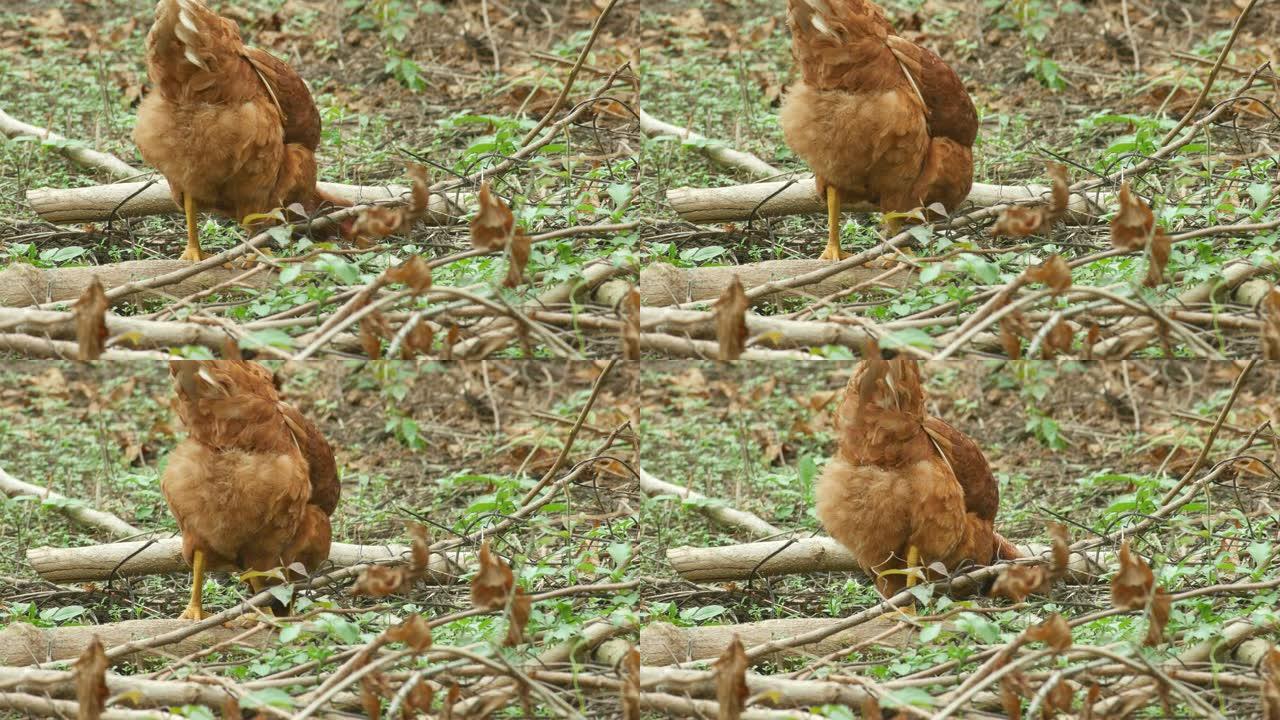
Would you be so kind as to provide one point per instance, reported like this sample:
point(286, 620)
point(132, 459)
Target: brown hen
point(878, 118)
point(233, 129)
point(253, 484)
point(906, 490)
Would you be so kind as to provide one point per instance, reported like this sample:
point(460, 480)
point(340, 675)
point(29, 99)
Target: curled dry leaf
point(1131, 587)
point(418, 341)
point(1061, 551)
point(492, 227)
point(1161, 604)
point(517, 259)
point(91, 681)
point(1271, 325)
point(1157, 258)
point(1012, 689)
point(1271, 685)
point(91, 321)
point(631, 325)
point(1053, 272)
point(379, 221)
point(373, 327)
point(631, 685)
point(1019, 581)
point(384, 580)
point(1132, 226)
point(1058, 341)
point(871, 709)
point(1017, 221)
point(372, 687)
point(418, 702)
point(414, 272)
point(1058, 700)
point(414, 632)
point(731, 320)
point(1054, 632)
point(1060, 200)
point(731, 680)
point(493, 583)
point(521, 605)
point(231, 708)
point(1013, 328)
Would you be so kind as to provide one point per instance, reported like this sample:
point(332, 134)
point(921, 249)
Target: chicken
point(253, 484)
point(878, 118)
point(906, 490)
point(233, 129)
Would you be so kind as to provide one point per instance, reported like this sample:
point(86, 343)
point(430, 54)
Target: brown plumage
point(233, 129)
point(902, 480)
point(254, 483)
point(878, 118)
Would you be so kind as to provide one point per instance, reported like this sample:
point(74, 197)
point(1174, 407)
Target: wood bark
point(131, 559)
point(665, 644)
point(671, 345)
point(110, 164)
point(764, 330)
point(141, 333)
point(23, 285)
point(99, 203)
point(730, 517)
point(82, 514)
point(25, 644)
point(146, 693)
point(793, 557)
point(717, 152)
point(776, 199)
point(662, 284)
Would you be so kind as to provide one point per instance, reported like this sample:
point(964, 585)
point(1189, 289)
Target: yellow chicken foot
point(194, 610)
point(913, 561)
point(258, 614)
point(833, 251)
point(192, 252)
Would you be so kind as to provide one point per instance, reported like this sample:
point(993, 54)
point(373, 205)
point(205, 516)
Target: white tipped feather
point(820, 23)
point(819, 6)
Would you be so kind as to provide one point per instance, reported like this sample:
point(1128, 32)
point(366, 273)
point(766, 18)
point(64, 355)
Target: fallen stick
point(81, 513)
point(101, 562)
point(35, 347)
point(34, 705)
point(728, 516)
point(144, 692)
point(662, 284)
point(121, 330)
point(764, 331)
point(665, 644)
point(713, 149)
point(769, 199)
point(25, 644)
point(76, 151)
point(99, 203)
point(22, 285)
point(801, 556)
point(710, 350)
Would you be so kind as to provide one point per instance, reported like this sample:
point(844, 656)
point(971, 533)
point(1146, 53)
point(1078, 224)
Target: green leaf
point(927, 635)
point(273, 697)
point(291, 633)
point(61, 614)
point(290, 273)
point(271, 337)
point(701, 614)
point(620, 193)
point(906, 696)
point(910, 337)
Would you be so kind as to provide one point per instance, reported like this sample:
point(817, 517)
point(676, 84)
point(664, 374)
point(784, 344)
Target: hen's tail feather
point(1005, 550)
point(191, 25)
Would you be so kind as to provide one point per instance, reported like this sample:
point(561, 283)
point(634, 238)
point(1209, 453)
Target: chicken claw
point(193, 254)
point(193, 613)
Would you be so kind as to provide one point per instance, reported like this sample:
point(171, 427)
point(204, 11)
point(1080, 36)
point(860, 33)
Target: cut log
point(97, 203)
point(665, 644)
point(765, 331)
point(25, 644)
point(140, 333)
point(727, 516)
point(662, 284)
point(23, 285)
point(793, 557)
point(743, 202)
point(100, 562)
point(80, 513)
point(76, 151)
point(718, 152)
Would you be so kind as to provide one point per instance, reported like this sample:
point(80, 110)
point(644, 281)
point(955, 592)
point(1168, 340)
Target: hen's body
point(903, 480)
point(253, 485)
point(233, 129)
point(878, 118)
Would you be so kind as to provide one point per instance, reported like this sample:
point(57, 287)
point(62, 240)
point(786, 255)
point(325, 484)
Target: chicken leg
point(913, 559)
point(194, 610)
point(192, 252)
point(833, 251)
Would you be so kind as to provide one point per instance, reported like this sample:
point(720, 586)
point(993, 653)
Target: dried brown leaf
point(1132, 226)
point(871, 709)
point(493, 583)
point(372, 687)
point(1057, 342)
point(1012, 687)
point(731, 680)
point(521, 605)
point(1054, 272)
point(379, 221)
point(731, 320)
point(418, 341)
point(451, 698)
point(1061, 198)
point(631, 685)
point(1053, 631)
point(1019, 581)
point(517, 259)
point(231, 708)
point(420, 548)
point(91, 321)
point(492, 227)
point(1061, 553)
point(1057, 701)
point(1017, 221)
point(1271, 685)
point(1161, 604)
point(414, 272)
point(373, 327)
point(1013, 328)
point(1271, 325)
point(91, 680)
point(418, 701)
point(414, 632)
point(1132, 585)
point(380, 581)
point(1158, 258)
point(631, 325)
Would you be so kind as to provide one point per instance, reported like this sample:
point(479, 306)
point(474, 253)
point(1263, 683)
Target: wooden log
point(30, 346)
point(77, 152)
point(140, 333)
point(100, 562)
point(25, 644)
point(665, 644)
point(144, 692)
point(728, 516)
point(742, 202)
point(662, 284)
point(28, 705)
point(717, 152)
point(105, 521)
point(23, 285)
point(794, 557)
point(97, 203)
point(766, 331)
